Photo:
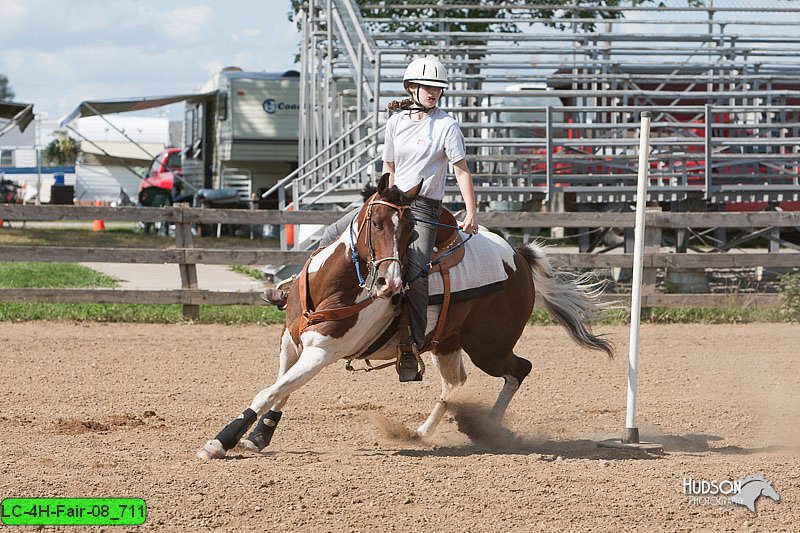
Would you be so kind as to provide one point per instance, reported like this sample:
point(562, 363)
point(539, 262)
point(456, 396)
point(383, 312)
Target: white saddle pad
point(482, 265)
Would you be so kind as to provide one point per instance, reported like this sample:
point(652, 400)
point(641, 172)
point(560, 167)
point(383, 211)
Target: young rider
point(418, 146)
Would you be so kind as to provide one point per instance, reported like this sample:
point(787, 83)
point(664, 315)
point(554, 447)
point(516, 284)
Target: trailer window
point(197, 136)
point(188, 127)
point(222, 105)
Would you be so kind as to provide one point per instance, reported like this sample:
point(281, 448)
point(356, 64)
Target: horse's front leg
point(451, 367)
point(262, 433)
point(311, 361)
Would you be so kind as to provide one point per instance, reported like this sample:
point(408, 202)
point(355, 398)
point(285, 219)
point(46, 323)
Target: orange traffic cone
point(289, 231)
point(98, 225)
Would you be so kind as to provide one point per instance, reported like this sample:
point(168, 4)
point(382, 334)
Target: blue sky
point(57, 53)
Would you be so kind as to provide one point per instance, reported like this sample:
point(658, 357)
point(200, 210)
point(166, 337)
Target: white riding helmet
point(426, 71)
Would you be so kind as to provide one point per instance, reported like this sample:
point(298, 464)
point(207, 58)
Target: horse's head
point(385, 227)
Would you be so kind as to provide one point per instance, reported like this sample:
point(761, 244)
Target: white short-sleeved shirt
point(421, 150)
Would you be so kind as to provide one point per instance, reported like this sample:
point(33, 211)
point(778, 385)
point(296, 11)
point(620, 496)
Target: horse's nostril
point(380, 282)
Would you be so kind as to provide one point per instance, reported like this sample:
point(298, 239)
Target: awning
point(89, 108)
point(20, 114)
point(123, 150)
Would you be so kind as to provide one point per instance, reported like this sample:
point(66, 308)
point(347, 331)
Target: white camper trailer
point(240, 131)
point(245, 135)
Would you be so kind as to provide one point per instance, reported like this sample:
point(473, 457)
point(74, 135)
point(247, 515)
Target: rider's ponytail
point(401, 105)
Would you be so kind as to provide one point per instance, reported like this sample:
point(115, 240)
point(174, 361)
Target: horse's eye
point(377, 225)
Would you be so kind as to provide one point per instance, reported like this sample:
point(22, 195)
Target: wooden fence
point(186, 256)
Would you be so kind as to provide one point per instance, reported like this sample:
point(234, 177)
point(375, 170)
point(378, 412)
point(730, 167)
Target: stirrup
point(409, 365)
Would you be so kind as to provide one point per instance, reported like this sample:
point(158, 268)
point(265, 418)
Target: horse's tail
point(571, 299)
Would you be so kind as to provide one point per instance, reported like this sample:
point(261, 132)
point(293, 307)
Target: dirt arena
point(119, 410)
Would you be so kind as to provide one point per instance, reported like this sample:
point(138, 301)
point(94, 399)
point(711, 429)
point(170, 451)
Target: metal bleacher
point(549, 98)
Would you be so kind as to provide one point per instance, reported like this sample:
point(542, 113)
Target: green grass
point(148, 314)
point(51, 276)
point(247, 271)
point(689, 315)
point(72, 276)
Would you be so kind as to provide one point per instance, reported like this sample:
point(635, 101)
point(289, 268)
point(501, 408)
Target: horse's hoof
point(247, 444)
point(212, 450)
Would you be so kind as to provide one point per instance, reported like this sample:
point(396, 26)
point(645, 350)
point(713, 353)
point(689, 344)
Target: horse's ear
point(383, 183)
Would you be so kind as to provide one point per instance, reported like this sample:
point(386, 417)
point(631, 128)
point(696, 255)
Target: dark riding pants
point(418, 257)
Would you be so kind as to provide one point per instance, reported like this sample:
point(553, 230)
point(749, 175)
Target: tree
point(5, 89)
point(62, 150)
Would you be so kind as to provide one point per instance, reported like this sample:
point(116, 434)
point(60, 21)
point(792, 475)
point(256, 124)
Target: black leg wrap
point(262, 433)
point(231, 434)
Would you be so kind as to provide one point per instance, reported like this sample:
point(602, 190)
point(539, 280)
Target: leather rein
point(309, 315)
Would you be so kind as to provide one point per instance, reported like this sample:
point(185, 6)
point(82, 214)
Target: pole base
point(630, 441)
point(631, 436)
point(646, 447)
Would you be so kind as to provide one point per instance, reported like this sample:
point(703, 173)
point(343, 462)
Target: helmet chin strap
point(419, 107)
point(417, 101)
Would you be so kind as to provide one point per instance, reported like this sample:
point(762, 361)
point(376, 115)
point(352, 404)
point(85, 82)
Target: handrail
point(332, 174)
point(344, 180)
point(283, 181)
point(342, 154)
point(351, 51)
point(355, 16)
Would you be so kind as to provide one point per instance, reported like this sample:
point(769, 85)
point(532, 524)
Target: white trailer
point(240, 129)
point(245, 136)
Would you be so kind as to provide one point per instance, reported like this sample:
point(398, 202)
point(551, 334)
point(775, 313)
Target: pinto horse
point(334, 313)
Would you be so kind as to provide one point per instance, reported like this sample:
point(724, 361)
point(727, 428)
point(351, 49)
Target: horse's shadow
point(557, 450)
point(550, 451)
point(701, 443)
point(488, 437)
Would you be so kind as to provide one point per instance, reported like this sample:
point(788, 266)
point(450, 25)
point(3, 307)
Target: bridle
point(308, 315)
point(372, 263)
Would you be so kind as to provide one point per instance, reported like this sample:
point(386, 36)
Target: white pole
point(38, 134)
point(631, 431)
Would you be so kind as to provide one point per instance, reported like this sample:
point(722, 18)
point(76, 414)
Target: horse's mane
point(391, 194)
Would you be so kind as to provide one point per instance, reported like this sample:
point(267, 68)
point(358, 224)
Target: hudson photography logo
point(744, 491)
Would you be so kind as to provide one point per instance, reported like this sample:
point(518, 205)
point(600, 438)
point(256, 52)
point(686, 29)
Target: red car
point(162, 170)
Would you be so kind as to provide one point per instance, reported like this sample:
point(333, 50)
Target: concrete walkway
point(166, 277)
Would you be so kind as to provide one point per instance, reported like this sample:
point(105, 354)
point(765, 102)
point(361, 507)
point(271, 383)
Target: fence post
point(183, 239)
point(652, 247)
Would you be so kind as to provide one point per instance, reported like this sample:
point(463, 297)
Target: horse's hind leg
point(450, 365)
point(512, 382)
point(262, 433)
